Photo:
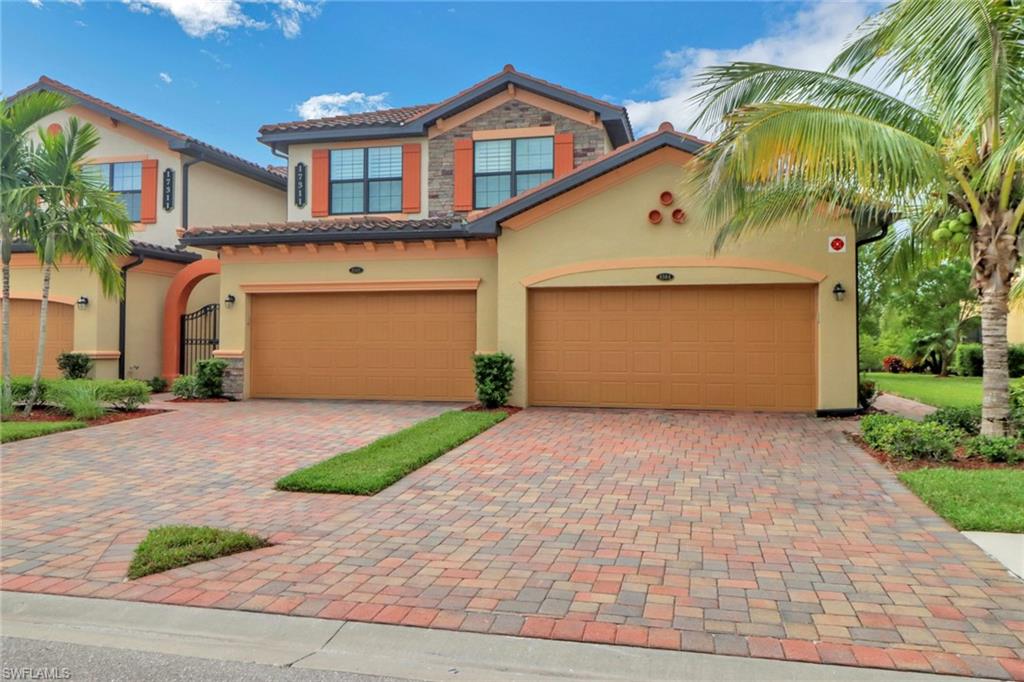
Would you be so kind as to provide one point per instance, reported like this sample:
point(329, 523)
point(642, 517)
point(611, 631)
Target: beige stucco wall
point(144, 328)
point(124, 143)
point(220, 197)
point(205, 292)
point(613, 225)
point(304, 153)
point(386, 264)
point(1015, 324)
point(96, 330)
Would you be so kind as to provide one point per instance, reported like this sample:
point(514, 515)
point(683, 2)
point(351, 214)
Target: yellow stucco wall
point(220, 197)
point(144, 330)
point(612, 225)
point(304, 153)
point(1015, 324)
point(386, 264)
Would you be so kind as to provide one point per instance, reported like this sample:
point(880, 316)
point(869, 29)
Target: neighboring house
point(520, 216)
point(167, 181)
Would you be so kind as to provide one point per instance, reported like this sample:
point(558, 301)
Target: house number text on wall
point(300, 184)
point(168, 189)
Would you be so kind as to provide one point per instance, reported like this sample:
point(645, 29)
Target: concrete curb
point(390, 650)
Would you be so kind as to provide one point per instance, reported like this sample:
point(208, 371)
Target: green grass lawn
point(930, 389)
point(169, 547)
point(12, 431)
point(980, 499)
point(374, 467)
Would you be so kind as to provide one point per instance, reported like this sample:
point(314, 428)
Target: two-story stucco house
point(167, 181)
point(521, 216)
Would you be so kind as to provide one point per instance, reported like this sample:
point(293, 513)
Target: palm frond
point(724, 89)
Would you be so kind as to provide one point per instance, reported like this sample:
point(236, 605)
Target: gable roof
point(665, 136)
point(176, 141)
point(415, 120)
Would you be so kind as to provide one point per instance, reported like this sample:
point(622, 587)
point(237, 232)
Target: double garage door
point(695, 347)
point(60, 336)
point(380, 345)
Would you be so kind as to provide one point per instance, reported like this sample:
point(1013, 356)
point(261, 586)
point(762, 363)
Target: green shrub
point(494, 373)
point(21, 386)
point(186, 386)
point(74, 365)
point(995, 448)
point(867, 391)
point(967, 419)
point(870, 354)
point(210, 377)
point(909, 439)
point(157, 384)
point(894, 364)
point(124, 394)
point(969, 361)
point(77, 397)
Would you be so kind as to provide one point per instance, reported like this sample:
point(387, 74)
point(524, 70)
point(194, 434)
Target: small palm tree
point(17, 119)
point(74, 217)
point(943, 159)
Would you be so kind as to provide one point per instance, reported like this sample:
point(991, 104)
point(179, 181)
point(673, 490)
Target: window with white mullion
point(504, 168)
point(124, 179)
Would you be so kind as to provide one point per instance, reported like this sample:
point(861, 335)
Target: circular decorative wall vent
point(679, 216)
point(666, 198)
point(654, 217)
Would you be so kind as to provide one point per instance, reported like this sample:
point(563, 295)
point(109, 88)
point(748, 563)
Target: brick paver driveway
point(768, 536)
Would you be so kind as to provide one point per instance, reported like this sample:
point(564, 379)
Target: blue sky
point(218, 69)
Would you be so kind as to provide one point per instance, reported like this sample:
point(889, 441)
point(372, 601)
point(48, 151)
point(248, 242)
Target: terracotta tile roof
point(47, 83)
point(278, 170)
point(361, 228)
point(147, 249)
point(395, 116)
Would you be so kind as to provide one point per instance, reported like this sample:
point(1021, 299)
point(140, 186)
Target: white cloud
point(341, 103)
point(36, 3)
point(166, 77)
point(810, 40)
point(201, 18)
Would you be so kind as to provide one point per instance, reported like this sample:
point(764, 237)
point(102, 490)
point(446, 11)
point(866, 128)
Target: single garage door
point(695, 347)
point(381, 345)
point(60, 336)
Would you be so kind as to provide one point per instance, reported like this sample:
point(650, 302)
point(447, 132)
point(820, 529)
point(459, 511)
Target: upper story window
point(367, 180)
point(504, 168)
point(125, 179)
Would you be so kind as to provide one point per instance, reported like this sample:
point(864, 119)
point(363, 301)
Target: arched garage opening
point(176, 304)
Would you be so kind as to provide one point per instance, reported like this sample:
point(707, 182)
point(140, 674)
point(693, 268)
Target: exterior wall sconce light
point(839, 291)
point(229, 301)
point(83, 302)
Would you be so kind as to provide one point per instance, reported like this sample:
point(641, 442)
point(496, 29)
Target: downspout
point(856, 288)
point(122, 321)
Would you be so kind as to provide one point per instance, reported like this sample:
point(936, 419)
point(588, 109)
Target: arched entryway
point(175, 305)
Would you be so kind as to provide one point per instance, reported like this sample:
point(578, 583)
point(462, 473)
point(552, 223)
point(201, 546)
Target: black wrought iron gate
point(198, 336)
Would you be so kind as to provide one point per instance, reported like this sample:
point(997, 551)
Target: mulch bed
point(507, 409)
point(200, 400)
point(959, 461)
point(44, 414)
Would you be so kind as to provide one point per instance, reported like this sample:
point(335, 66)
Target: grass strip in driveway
point(170, 547)
point(374, 467)
point(12, 431)
point(977, 499)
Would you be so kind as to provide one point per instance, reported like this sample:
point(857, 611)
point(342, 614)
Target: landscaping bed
point(374, 467)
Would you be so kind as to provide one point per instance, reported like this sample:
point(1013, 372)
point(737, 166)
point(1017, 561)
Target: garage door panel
point(717, 347)
point(382, 345)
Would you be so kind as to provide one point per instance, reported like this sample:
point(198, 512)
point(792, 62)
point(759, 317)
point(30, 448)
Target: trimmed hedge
point(995, 448)
point(966, 419)
point(908, 439)
point(122, 394)
point(494, 373)
point(969, 362)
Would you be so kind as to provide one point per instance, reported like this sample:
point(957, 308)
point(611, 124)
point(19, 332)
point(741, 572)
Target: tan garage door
point(60, 336)
point(386, 345)
point(697, 347)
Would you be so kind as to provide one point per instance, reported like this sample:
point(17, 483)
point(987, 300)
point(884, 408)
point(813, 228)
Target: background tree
point(76, 217)
point(949, 146)
point(17, 119)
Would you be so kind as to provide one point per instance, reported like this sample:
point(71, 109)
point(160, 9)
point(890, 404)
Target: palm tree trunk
point(41, 348)
point(7, 399)
point(995, 257)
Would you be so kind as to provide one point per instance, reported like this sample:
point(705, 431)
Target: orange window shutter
point(463, 175)
point(147, 208)
point(563, 154)
point(321, 182)
point(410, 178)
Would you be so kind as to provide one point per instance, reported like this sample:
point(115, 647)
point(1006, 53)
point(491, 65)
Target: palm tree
point(947, 147)
point(75, 217)
point(17, 118)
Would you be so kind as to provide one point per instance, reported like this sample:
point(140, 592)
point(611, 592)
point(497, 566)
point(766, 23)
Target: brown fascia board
point(615, 119)
point(243, 238)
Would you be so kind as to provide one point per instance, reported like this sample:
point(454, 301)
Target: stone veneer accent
point(233, 384)
point(588, 143)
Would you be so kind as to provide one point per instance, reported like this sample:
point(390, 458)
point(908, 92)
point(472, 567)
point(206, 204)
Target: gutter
point(122, 318)
point(244, 238)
